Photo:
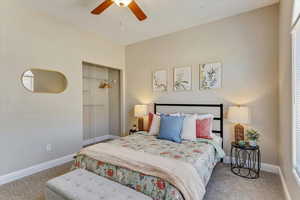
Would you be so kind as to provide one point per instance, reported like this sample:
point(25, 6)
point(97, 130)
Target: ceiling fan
point(131, 4)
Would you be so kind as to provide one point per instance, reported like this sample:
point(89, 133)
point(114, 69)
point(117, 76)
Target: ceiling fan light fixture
point(131, 4)
point(122, 3)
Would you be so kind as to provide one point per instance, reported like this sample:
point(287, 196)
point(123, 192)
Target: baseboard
point(53, 163)
point(264, 166)
point(285, 188)
point(270, 168)
point(98, 139)
point(46, 165)
point(273, 169)
point(34, 169)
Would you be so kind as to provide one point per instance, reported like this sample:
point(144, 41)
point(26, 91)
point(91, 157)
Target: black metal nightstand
point(245, 160)
point(132, 132)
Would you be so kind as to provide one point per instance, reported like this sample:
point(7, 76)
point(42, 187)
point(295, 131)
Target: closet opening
point(101, 103)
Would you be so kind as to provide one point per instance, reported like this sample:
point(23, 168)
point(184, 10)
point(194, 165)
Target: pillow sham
point(204, 128)
point(205, 116)
point(155, 124)
point(189, 128)
point(170, 128)
point(150, 119)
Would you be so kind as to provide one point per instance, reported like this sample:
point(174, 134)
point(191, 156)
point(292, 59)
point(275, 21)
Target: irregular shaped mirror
point(44, 81)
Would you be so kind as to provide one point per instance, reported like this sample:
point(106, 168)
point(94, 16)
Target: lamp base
point(141, 123)
point(238, 132)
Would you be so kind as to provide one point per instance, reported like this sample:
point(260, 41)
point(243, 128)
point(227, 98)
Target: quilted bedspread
point(202, 154)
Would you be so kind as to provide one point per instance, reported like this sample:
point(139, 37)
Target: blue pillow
point(170, 128)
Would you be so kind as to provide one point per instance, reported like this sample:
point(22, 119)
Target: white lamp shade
point(140, 110)
point(238, 114)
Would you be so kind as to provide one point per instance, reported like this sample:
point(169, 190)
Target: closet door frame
point(122, 94)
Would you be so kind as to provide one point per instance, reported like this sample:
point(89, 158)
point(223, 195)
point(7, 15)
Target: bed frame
point(219, 106)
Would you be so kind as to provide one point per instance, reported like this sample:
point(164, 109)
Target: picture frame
point(160, 81)
point(182, 78)
point(210, 76)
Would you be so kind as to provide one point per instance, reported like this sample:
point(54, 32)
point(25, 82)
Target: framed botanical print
point(182, 79)
point(160, 81)
point(210, 76)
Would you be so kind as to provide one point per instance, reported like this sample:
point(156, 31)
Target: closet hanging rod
point(96, 105)
point(99, 79)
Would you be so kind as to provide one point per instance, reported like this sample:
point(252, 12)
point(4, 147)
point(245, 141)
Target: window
point(296, 88)
point(296, 10)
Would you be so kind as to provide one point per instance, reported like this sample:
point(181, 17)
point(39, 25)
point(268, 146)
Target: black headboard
point(219, 106)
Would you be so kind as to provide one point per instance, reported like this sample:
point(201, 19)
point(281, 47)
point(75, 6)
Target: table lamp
point(140, 111)
point(238, 115)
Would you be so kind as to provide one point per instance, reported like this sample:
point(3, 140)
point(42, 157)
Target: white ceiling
point(164, 16)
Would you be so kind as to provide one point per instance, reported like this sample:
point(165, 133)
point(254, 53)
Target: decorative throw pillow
point(150, 119)
point(203, 128)
point(207, 116)
point(189, 128)
point(170, 128)
point(154, 129)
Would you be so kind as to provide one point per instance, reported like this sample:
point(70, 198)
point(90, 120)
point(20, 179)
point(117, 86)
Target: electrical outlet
point(48, 147)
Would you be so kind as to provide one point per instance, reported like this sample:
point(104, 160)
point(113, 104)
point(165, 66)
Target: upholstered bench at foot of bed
point(83, 185)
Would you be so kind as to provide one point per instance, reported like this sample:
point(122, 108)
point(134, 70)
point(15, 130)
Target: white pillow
point(170, 114)
point(188, 131)
point(154, 129)
point(187, 114)
point(175, 114)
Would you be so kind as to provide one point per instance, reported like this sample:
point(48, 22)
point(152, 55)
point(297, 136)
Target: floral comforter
point(202, 154)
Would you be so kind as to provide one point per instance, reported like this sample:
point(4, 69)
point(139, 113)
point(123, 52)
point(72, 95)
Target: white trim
point(123, 102)
point(264, 166)
point(98, 139)
point(296, 175)
point(53, 163)
point(34, 169)
point(294, 31)
point(123, 112)
point(46, 165)
point(285, 188)
point(270, 168)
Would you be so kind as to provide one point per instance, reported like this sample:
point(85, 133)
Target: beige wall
point(30, 121)
point(247, 47)
point(285, 98)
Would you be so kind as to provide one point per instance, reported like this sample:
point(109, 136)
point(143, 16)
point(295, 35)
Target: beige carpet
point(223, 186)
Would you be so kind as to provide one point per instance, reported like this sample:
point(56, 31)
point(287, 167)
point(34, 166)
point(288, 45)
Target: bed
point(161, 169)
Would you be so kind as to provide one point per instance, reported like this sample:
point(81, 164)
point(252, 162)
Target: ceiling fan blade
point(137, 11)
point(102, 7)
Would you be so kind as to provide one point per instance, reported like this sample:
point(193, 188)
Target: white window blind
point(296, 11)
point(296, 94)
